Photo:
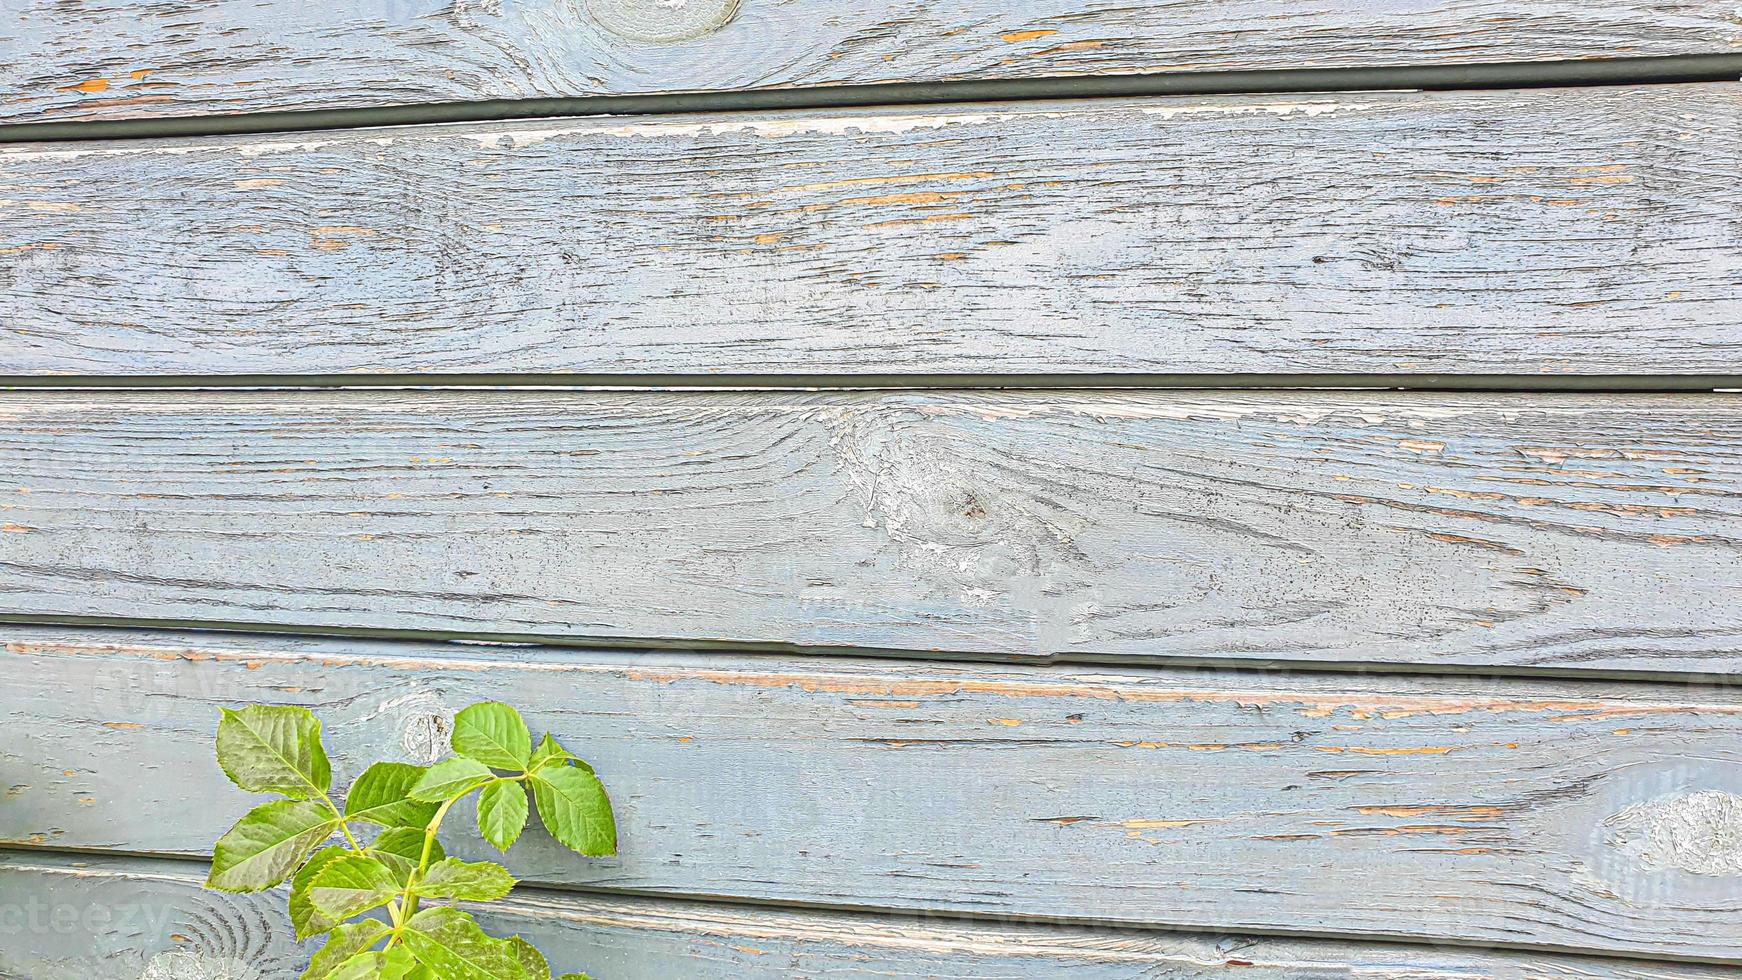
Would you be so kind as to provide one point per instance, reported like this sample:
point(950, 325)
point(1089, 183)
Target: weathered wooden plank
point(1489, 531)
point(128, 917)
point(1549, 232)
point(133, 59)
point(1569, 815)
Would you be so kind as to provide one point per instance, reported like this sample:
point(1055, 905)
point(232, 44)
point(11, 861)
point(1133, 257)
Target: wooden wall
point(1263, 535)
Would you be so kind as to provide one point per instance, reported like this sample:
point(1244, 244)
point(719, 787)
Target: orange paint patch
point(140, 73)
point(126, 726)
point(919, 221)
point(1400, 831)
point(330, 238)
point(830, 185)
point(1457, 812)
point(1072, 46)
point(16, 529)
point(1420, 445)
point(769, 238)
point(1363, 750)
point(31, 247)
point(1017, 37)
point(911, 197)
point(1006, 722)
point(93, 85)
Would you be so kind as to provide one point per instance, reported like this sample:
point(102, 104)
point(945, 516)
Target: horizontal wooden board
point(1575, 815)
point(134, 59)
point(1417, 529)
point(126, 917)
point(1536, 232)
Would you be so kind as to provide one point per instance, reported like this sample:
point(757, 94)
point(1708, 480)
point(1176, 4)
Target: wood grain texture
point(1419, 529)
point(1572, 815)
point(1588, 231)
point(128, 58)
point(125, 917)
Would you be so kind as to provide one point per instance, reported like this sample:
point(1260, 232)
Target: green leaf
point(382, 796)
point(476, 881)
point(502, 813)
point(266, 846)
point(392, 964)
point(550, 753)
point(575, 810)
point(531, 960)
point(344, 944)
point(307, 919)
point(273, 749)
point(494, 734)
point(450, 778)
point(352, 884)
point(401, 849)
point(406, 843)
point(448, 942)
point(421, 972)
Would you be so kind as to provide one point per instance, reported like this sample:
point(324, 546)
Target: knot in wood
point(661, 21)
point(1699, 833)
point(424, 737)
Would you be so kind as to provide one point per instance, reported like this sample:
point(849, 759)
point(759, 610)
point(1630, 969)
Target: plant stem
point(429, 836)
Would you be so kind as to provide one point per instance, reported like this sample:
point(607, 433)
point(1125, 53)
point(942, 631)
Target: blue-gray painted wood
point(133, 59)
point(1579, 816)
point(1408, 529)
point(144, 919)
point(1578, 232)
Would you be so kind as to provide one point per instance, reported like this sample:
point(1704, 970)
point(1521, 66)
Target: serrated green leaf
point(308, 920)
point(344, 944)
point(575, 809)
point(274, 749)
point(476, 881)
point(266, 846)
point(382, 796)
point(550, 752)
point(450, 778)
point(352, 884)
point(448, 942)
point(392, 964)
point(407, 843)
point(502, 813)
point(531, 960)
point(492, 733)
point(401, 848)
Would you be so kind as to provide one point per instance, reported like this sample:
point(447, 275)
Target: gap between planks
point(460, 638)
point(1669, 69)
point(533, 903)
point(1590, 383)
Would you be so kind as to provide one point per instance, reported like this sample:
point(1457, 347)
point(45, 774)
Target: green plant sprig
point(342, 891)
